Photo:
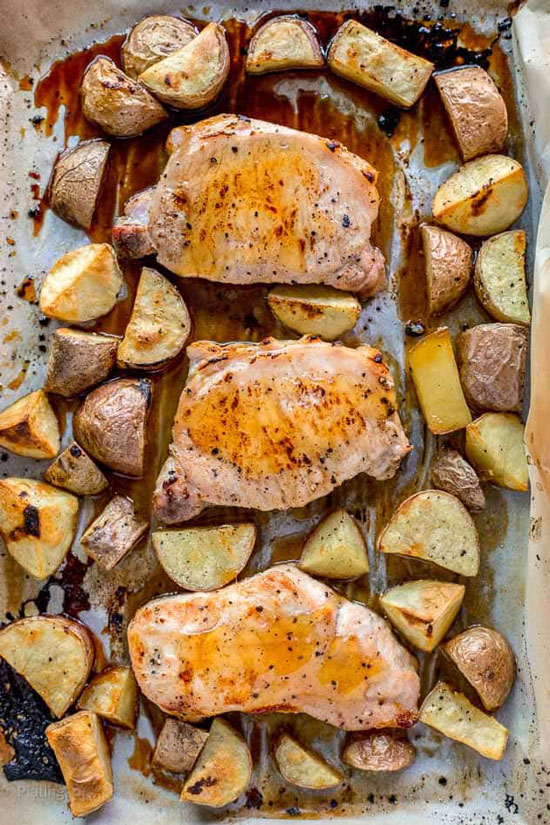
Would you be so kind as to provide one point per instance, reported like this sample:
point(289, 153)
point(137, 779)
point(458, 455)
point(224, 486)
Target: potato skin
point(451, 473)
point(178, 746)
point(449, 261)
point(74, 470)
point(152, 39)
point(76, 181)
point(379, 750)
point(79, 361)
point(113, 533)
point(487, 661)
point(284, 42)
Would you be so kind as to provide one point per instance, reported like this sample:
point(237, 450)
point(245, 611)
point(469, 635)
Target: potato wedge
point(205, 558)
point(362, 56)
point(476, 110)
point(113, 694)
point(37, 523)
point(29, 427)
point(152, 39)
point(499, 278)
point(315, 310)
point(451, 473)
point(83, 754)
point(495, 447)
point(82, 285)
point(436, 527)
point(285, 42)
point(194, 76)
point(423, 611)
point(449, 263)
point(437, 383)
point(116, 103)
point(113, 533)
point(178, 746)
point(492, 360)
point(222, 770)
point(336, 548)
point(303, 767)
point(74, 470)
point(379, 750)
point(486, 661)
point(54, 654)
point(76, 181)
point(449, 711)
point(158, 327)
point(484, 197)
point(78, 361)
point(111, 424)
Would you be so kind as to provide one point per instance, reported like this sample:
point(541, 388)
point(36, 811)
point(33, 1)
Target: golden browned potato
point(485, 196)
point(314, 310)
point(54, 654)
point(113, 533)
point(152, 39)
point(495, 447)
point(285, 42)
point(379, 750)
point(364, 57)
point(78, 361)
point(476, 110)
point(113, 695)
point(449, 262)
point(111, 424)
point(178, 746)
point(37, 523)
point(7, 752)
point(74, 470)
point(451, 473)
point(499, 278)
point(83, 754)
point(423, 611)
point(76, 181)
point(303, 767)
point(487, 661)
point(336, 548)
point(29, 427)
point(192, 77)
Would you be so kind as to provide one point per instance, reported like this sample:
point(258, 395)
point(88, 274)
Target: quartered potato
point(486, 661)
point(113, 695)
point(499, 278)
point(113, 533)
point(37, 523)
point(336, 549)
point(74, 470)
point(379, 750)
point(192, 77)
point(78, 361)
point(152, 39)
point(315, 310)
point(495, 446)
point(54, 654)
point(82, 285)
point(437, 383)
point(282, 43)
point(205, 558)
point(451, 473)
point(303, 767)
point(178, 746)
point(436, 527)
point(423, 611)
point(485, 196)
point(158, 327)
point(222, 770)
point(449, 262)
point(29, 427)
point(362, 56)
point(452, 714)
point(76, 181)
point(83, 754)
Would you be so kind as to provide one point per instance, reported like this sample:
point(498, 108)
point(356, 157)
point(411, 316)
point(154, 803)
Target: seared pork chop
point(279, 641)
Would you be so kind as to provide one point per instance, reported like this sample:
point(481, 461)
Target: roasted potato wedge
point(222, 770)
point(74, 470)
point(76, 181)
point(362, 56)
point(37, 523)
point(476, 110)
point(205, 558)
point(111, 424)
point(437, 383)
point(499, 278)
point(436, 527)
point(192, 77)
point(54, 654)
point(113, 533)
point(29, 427)
point(336, 548)
point(303, 767)
point(485, 196)
point(83, 284)
point(152, 39)
point(178, 746)
point(423, 611)
point(113, 695)
point(285, 42)
point(452, 714)
point(83, 754)
point(451, 473)
point(379, 750)
point(449, 262)
point(158, 327)
point(495, 447)
point(315, 310)
point(78, 361)
point(486, 661)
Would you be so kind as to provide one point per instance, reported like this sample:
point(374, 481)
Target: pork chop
point(278, 424)
point(279, 641)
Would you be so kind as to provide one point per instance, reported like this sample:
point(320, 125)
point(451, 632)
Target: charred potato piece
point(7, 753)
point(423, 611)
point(178, 746)
point(315, 310)
point(116, 103)
point(113, 533)
point(451, 473)
point(336, 549)
point(74, 470)
point(37, 523)
point(78, 361)
point(486, 661)
point(111, 424)
point(54, 654)
point(113, 695)
point(379, 750)
point(29, 427)
point(448, 267)
point(131, 231)
point(476, 110)
point(282, 43)
point(303, 767)
point(76, 181)
point(499, 278)
point(83, 754)
point(152, 39)
point(192, 77)
point(495, 447)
